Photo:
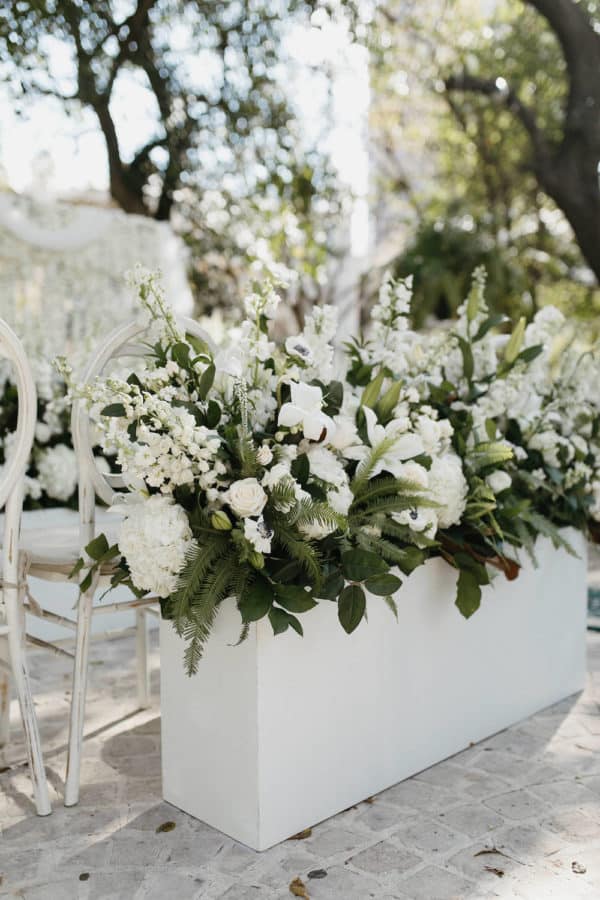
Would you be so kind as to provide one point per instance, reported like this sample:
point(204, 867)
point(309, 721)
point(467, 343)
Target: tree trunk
point(131, 201)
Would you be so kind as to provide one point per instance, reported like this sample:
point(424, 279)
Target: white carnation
point(448, 487)
point(57, 471)
point(154, 537)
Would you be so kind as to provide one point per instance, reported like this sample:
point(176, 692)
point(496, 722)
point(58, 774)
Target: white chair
point(14, 568)
point(125, 341)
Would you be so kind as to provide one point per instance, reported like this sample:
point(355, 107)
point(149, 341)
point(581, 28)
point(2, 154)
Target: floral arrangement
point(51, 478)
point(283, 476)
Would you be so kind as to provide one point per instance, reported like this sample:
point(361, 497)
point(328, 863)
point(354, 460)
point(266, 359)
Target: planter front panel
point(280, 733)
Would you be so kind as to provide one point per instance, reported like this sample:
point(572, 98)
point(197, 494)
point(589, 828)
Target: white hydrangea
point(448, 487)
point(57, 472)
point(154, 538)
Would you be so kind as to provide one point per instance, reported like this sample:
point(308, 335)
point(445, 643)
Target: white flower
point(326, 466)
point(275, 474)
point(297, 346)
point(499, 481)
point(246, 497)
point(258, 533)
point(422, 519)
point(340, 499)
point(403, 445)
point(43, 432)
point(154, 538)
point(305, 409)
point(264, 455)
point(345, 434)
point(448, 487)
point(57, 471)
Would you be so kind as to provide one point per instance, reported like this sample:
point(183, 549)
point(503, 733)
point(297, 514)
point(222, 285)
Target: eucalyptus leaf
point(352, 605)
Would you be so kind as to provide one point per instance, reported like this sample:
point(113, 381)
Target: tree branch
point(497, 89)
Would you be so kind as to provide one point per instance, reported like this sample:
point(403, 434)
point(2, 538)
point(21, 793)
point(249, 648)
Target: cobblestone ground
point(517, 816)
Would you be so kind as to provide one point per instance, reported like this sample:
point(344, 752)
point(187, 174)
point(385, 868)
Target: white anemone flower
point(305, 409)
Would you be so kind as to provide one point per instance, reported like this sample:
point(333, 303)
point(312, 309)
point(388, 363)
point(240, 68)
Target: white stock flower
point(499, 481)
point(264, 455)
point(57, 471)
point(154, 537)
point(246, 497)
point(326, 466)
point(304, 409)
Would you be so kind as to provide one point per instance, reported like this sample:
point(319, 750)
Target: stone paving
point(516, 816)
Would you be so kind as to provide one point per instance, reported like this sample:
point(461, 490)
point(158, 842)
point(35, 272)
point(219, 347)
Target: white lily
point(305, 409)
point(406, 445)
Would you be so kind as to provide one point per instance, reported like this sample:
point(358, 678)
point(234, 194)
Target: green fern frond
point(309, 510)
point(384, 486)
point(367, 465)
point(199, 561)
point(300, 550)
point(203, 610)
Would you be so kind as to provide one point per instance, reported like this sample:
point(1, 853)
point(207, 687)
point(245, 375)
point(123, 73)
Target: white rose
point(246, 497)
point(499, 481)
point(264, 455)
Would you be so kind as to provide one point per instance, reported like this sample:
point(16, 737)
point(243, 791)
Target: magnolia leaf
point(332, 585)
point(392, 605)
point(294, 598)
point(511, 351)
point(370, 394)
point(98, 547)
point(352, 605)
point(468, 593)
point(256, 601)
point(206, 381)
point(281, 620)
point(358, 565)
point(116, 410)
point(383, 585)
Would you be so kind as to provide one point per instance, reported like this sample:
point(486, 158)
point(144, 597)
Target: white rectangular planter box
point(280, 733)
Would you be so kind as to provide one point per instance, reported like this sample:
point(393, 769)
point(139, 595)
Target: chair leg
point(16, 641)
point(4, 700)
point(141, 650)
point(80, 673)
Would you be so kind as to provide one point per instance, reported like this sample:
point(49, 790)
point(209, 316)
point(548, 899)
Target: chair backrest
point(124, 341)
point(13, 471)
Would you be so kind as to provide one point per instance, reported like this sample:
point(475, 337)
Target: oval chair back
point(125, 341)
point(12, 484)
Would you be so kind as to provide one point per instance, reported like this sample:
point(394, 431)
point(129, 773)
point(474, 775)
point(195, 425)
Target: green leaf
point(98, 547)
point(86, 583)
point(411, 558)
point(334, 396)
point(180, 353)
point(332, 585)
point(116, 410)
point(294, 598)
point(392, 605)
point(467, 355)
point(213, 414)
point(511, 351)
point(370, 394)
point(389, 400)
point(256, 601)
point(206, 381)
point(358, 565)
point(530, 353)
point(300, 468)
point(281, 620)
point(489, 323)
point(351, 607)
point(383, 585)
point(468, 593)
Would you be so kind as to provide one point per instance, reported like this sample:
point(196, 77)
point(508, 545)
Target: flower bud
point(220, 521)
point(257, 560)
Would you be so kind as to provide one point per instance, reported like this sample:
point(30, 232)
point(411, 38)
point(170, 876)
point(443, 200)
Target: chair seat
point(51, 539)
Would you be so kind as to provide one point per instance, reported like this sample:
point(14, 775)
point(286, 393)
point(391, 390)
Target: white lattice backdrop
point(62, 268)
